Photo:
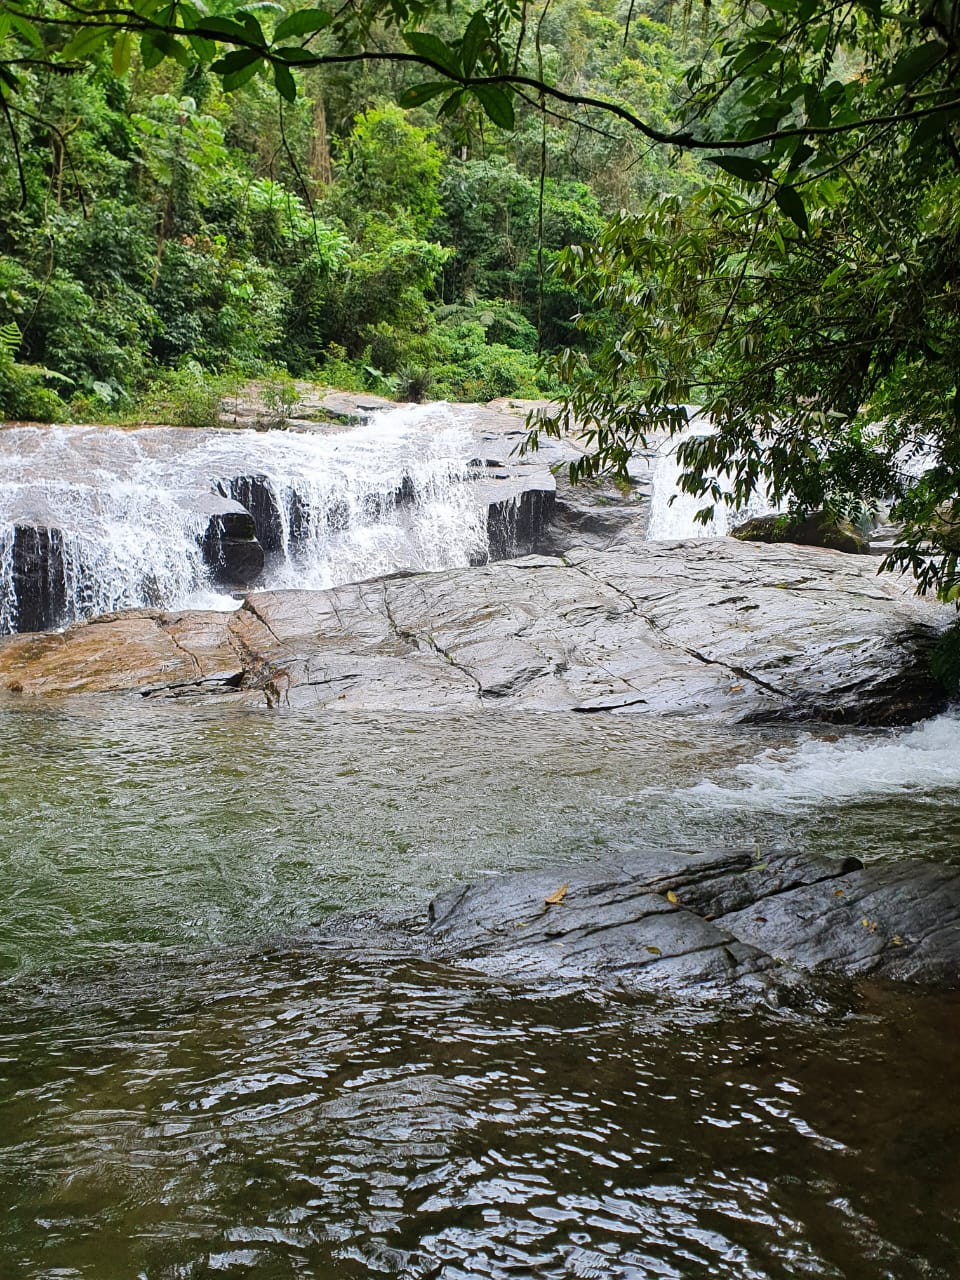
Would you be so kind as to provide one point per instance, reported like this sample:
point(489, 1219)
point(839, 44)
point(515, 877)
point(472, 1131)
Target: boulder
point(819, 529)
point(736, 632)
point(228, 544)
point(730, 922)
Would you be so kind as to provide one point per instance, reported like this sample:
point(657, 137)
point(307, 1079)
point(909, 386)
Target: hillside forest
point(171, 232)
point(624, 205)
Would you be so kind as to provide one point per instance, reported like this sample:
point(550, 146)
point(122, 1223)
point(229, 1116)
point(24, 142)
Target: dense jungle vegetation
point(751, 207)
point(162, 229)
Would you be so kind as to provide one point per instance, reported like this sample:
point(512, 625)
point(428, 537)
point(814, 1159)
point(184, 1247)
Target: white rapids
point(921, 761)
point(125, 505)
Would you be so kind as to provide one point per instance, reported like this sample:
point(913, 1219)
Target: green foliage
point(469, 368)
point(188, 397)
point(945, 660)
point(281, 399)
point(23, 394)
point(389, 173)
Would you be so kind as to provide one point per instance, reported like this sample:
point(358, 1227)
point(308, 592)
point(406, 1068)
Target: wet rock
point(819, 529)
point(727, 922)
point(731, 631)
point(255, 494)
point(229, 542)
point(519, 513)
point(38, 577)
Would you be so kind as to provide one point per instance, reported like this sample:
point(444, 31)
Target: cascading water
point(672, 512)
point(121, 515)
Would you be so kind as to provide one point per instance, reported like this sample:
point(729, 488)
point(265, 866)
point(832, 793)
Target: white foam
point(131, 532)
point(672, 512)
point(920, 761)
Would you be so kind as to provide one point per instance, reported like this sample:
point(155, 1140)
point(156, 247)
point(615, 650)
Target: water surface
point(189, 1087)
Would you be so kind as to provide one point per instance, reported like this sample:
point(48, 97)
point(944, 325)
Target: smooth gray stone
point(720, 923)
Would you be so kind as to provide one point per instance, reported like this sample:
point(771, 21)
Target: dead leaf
point(558, 895)
point(671, 896)
point(654, 951)
point(897, 940)
point(736, 688)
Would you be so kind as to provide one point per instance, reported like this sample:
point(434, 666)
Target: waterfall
point(114, 519)
point(672, 512)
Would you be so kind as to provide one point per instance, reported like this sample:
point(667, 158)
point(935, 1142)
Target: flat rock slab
point(719, 923)
point(715, 628)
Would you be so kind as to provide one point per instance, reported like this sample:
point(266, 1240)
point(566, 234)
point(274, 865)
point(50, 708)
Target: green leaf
point(496, 104)
point(741, 167)
point(85, 42)
point(252, 28)
point(431, 47)
point(297, 56)
point(303, 23)
point(452, 104)
point(929, 128)
point(151, 55)
point(122, 52)
point(474, 38)
point(236, 60)
point(789, 202)
point(216, 28)
point(914, 63)
point(234, 79)
point(26, 30)
point(205, 50)
point(286, 85)
point(418, 94)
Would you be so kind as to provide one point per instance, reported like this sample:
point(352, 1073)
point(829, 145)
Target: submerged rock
point(732, 631)
point(728, 922)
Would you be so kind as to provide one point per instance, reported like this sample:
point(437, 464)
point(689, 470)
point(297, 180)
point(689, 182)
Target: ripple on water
point(286, 1113)
point(181, 1097)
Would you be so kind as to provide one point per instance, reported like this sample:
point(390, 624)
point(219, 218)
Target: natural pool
point(189, 1087)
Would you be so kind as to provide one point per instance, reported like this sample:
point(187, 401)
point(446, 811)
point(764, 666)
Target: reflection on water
point(188, 1091)
point(279, 1115)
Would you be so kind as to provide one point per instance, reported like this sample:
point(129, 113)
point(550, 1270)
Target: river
point(191, 1086)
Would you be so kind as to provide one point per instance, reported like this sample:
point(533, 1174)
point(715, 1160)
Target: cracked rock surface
point(740, 632)
point(659, 920)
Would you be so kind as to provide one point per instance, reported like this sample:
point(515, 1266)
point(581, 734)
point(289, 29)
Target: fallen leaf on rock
point(896, 940)
point(838, 893)
point(558, 895)
point(654, 951)
point(736, 688)
point(671, 896)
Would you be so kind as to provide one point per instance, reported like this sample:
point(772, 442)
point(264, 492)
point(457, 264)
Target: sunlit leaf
point(554, 899)
point(122, 52)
